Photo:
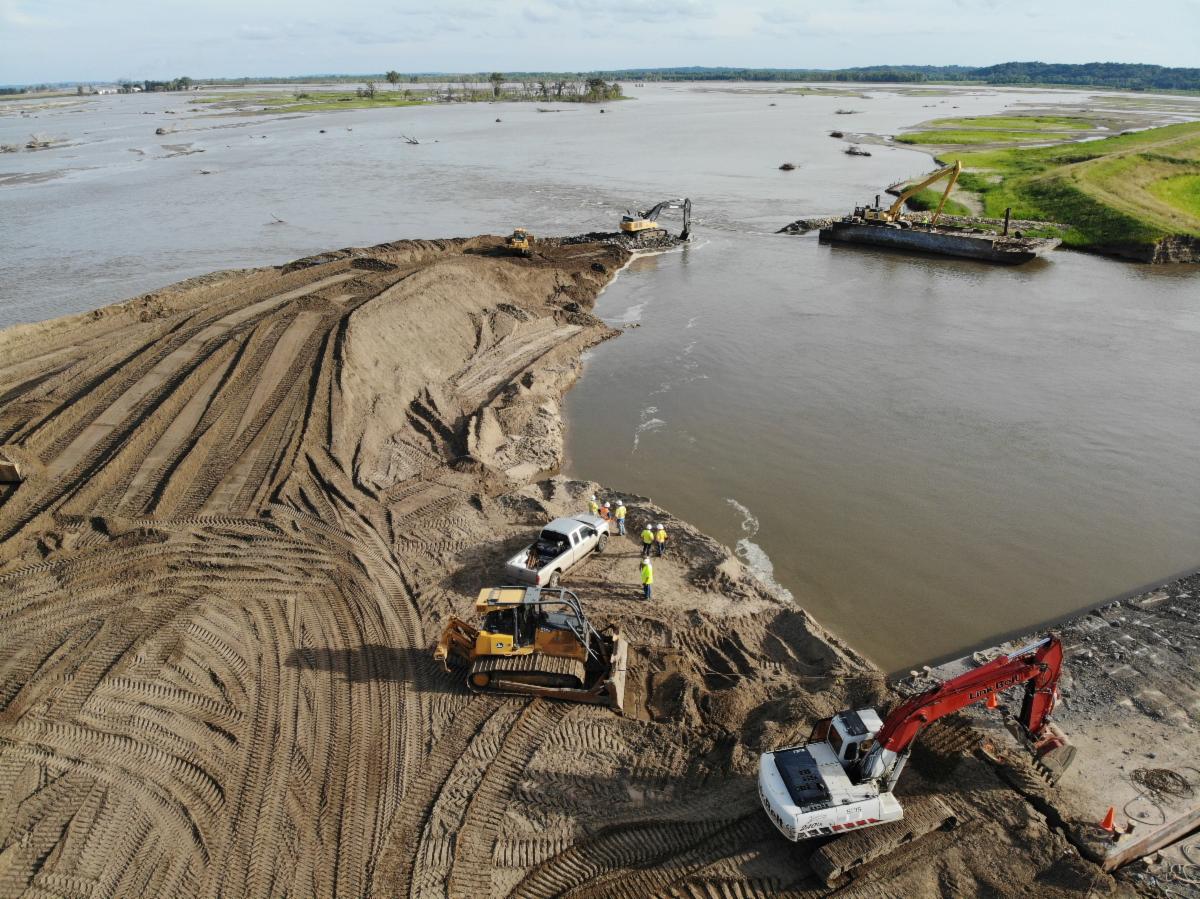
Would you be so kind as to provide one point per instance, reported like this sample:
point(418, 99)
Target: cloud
point(638, 10)
point(13, 14)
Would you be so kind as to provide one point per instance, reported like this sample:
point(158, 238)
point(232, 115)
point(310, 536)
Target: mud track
point(251, 500)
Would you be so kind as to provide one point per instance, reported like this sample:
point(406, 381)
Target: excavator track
point(922, 815)
point(510, 674)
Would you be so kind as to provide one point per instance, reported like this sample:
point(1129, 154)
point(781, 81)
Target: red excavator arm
point(1037, 666)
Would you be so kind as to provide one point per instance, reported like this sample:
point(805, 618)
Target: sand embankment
point(250, 502)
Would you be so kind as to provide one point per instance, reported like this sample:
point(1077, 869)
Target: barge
point(879, 227)
point(986, 246)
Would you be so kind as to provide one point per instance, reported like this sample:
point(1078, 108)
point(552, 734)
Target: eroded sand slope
point(251, 501)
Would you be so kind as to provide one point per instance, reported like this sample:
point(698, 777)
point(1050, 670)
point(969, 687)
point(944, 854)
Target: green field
point(1017, 123)
point(972, 137)
point(1181, 192)
point(972, 131)
point(1127, 191)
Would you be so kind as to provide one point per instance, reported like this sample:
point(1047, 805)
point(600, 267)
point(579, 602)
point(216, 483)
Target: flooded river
point(924, 452)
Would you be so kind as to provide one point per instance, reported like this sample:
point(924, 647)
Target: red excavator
point(842, 778)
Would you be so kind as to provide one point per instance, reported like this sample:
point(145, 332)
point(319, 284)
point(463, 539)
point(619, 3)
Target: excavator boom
point(1037, 666)
point(951, 171)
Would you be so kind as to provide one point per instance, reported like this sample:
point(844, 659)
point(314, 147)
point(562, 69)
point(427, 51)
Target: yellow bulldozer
point(536, 641)
point(520, 242)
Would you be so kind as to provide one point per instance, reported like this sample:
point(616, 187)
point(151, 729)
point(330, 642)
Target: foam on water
point(629, 316)
point(754, 556)
point(648, 423)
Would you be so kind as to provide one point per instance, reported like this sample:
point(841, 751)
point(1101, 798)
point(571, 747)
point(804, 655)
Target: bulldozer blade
point(618, 664)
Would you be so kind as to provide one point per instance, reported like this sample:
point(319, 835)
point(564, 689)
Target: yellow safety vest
point(594, 508)
point(647, 536)
point(661, 536)
point(647, 574)
point(620, 511)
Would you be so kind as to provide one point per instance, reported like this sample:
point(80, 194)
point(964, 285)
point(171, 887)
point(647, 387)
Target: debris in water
point(856, 150)
point(787, 167)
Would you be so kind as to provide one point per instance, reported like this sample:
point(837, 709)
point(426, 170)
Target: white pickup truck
point(562, 544)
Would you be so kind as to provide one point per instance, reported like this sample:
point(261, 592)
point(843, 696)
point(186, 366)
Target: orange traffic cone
point(1109, 822)
point(991, 701)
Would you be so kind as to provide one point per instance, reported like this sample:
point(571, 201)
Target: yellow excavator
point(536, 641)
point(520, 242)
point(894, 213)
point(635, 222)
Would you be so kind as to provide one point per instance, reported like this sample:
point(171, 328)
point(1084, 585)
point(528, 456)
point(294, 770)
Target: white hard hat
point(661, 528)
point(593, 497)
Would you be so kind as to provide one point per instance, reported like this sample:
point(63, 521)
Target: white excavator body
point(808, 791)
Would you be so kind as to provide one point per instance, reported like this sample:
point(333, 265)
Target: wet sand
point(250, 502)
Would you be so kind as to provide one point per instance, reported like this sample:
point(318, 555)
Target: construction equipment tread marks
point(922, 815)
point(492, 673)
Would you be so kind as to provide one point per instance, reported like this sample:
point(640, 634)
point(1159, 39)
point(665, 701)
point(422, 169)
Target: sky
point(84, 40)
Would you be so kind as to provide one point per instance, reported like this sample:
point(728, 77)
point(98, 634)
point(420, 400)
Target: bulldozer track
point(470, 872)
point(399, 854)
point(617, 848)
point(533, 664)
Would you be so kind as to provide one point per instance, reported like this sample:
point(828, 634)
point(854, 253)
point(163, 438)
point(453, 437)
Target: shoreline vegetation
point(1134, 194)
point(496, 89)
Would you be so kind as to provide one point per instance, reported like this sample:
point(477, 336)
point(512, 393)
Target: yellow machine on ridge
point(520, 242)
point(536, 641)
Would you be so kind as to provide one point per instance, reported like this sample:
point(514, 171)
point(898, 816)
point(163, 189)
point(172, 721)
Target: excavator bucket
point(456, 644)
point(1053, 754)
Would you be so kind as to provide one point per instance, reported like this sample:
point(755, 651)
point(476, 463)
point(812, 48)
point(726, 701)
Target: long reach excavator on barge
point(840, 782)
point(891, 228)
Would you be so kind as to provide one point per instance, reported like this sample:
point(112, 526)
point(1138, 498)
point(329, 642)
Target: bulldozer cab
point(527, 619)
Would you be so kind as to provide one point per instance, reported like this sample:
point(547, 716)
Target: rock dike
point(247, 504)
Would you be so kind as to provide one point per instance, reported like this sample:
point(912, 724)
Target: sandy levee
point(250, 500)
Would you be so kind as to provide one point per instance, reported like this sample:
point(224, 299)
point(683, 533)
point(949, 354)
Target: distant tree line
point(1129, 76)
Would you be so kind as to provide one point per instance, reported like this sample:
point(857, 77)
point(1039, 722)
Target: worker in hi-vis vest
point(647, 540)
point(647, 577)
point(593, 506)
point(660, 540)
point(621, 512)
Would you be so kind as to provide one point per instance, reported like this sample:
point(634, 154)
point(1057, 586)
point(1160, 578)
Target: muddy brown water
point(924, 452)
